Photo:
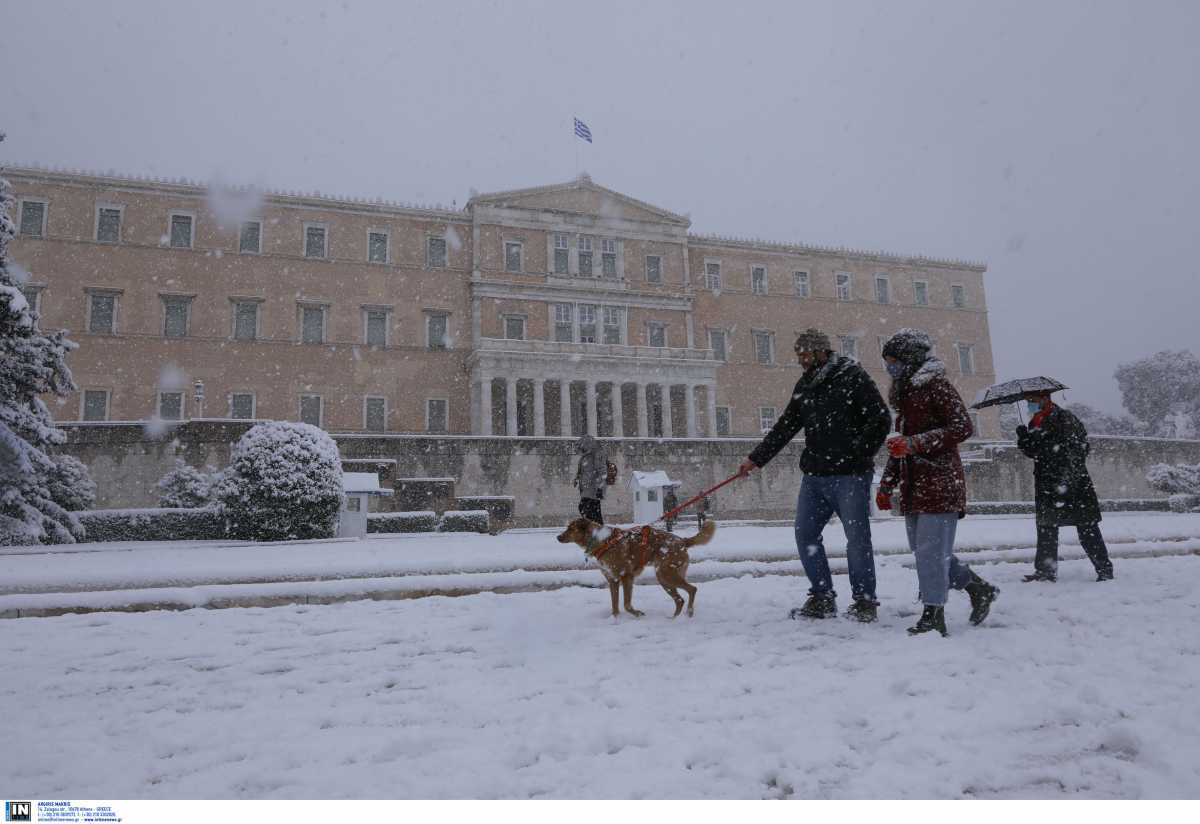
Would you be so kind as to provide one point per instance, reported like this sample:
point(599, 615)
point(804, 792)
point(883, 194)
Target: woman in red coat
point(924, 466)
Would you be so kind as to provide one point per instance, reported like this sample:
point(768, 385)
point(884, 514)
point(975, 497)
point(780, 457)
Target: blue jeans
point(849, 496)
point(931, 539)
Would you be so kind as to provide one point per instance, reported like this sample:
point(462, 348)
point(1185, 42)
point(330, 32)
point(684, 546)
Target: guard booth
point(648, 488)
point(357, 489)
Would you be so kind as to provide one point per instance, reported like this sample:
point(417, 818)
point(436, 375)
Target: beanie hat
point(813, 340)
point(909, 346)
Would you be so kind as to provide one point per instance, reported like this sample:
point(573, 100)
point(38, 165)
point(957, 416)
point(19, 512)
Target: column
point(712, 409)
point(539, 408)
point(618, 411)
point(642, 427)
point(564, 406)
point(510, 410)
point(592, 409)
point(668, 424)
point(485, 404)
point(689, 408)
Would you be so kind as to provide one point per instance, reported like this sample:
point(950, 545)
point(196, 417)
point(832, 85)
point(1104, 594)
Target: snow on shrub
point(153, 524)
point(1179, 479)
point(1182, 502)
point(71, 485)
point(185, 486)
point(284, 481)
point(467, 520)
point(423, 521)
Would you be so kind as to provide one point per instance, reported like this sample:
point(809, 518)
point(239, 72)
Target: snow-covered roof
point(645, 480)
point(362, 483)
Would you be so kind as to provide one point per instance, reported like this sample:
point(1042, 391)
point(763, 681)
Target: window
point(250, 238)
point(849, 346)
point(33, 218)
point(614, 324)
point(585, 256)
point(312, 324)
point(175, 316)
point(435, 253)
point(587, 323)
point(716, 342)
point(608, 258)
point(882, 289)
point(801, 284)
point(170, 406)
point(958, 296)
point(437, 331)
point(353, 503)
point(33, 296)
point(974, 424)
point(512, 256)
point(653, 269)
point(764, 347)
point(181, 230)
point(656, 334)
point(108, 224)
point(95, 404)
point(843, 285)
point(241, 405)
point(514, 327)
point(723, 416)
point(436, 415)
point(102, 313)
point(311, 409)
point(375, 330)
point(966, 358)
point(562, 254)
point(766, 418)
point(564, 329)
point(245, 320)
point(712, 275)
point(758, 280)
point(920, 293)
point(374, 414)
point(377, 247)
point(314, 241)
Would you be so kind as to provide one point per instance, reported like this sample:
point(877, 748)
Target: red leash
point(691, 501)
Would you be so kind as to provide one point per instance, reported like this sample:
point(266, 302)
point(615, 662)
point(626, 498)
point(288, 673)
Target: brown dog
point(623, 555)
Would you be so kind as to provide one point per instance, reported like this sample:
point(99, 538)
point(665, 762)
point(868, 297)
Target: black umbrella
point(1012, 391)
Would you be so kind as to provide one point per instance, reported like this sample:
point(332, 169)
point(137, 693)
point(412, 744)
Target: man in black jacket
point(845, 420)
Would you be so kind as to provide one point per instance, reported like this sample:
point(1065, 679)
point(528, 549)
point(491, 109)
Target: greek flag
point(581, 130)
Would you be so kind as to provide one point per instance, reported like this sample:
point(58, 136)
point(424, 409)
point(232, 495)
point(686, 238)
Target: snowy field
point(1076, 689)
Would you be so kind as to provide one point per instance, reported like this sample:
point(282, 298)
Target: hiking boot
point(932, 618)
point(981, 594)
point(1040, 576)
point(1104, 575)
point(864, 610)
point(818, 605)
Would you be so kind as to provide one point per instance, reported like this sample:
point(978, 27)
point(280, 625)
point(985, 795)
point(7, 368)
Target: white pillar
point(485, 404)
point(539, 408)
point(618, 411)
point(689, 408)
point(668, 424)
point(711, 402)
point(592, 409)
point(510, 410)
point(642, 427)
point(564, 407)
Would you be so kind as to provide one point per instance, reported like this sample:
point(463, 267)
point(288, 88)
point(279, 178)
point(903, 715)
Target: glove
point(883, 498)
point(899, 446)
point(1022, 431)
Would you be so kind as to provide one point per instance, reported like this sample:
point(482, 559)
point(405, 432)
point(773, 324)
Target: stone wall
point(126, 463)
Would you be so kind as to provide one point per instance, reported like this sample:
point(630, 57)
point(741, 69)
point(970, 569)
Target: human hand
point(747, 466)
point(898, 446)
point(883, 498)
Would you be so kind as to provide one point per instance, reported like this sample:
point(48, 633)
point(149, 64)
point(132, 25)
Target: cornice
point(714, 241)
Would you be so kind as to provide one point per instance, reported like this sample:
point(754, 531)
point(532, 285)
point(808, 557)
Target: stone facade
point(538, 312)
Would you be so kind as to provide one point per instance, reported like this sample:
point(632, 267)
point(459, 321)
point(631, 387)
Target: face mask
point(1034, 407)
point(896, 370)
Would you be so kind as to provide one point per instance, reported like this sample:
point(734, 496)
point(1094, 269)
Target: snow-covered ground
point(1076, 689)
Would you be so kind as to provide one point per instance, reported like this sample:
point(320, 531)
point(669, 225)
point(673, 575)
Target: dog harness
point(617, 534)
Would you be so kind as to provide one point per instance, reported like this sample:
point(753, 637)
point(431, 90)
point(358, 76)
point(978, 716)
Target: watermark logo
point(18, 811)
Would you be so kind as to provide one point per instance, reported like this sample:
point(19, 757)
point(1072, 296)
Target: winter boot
point(932, 618)
point(981, 594)
point(1040, 576)
point(818, 605)
point(1105, 574)
point(864, 610)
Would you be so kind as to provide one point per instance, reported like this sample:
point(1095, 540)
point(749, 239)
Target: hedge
point(467, 520)
point(152, 524)
point(423, 521)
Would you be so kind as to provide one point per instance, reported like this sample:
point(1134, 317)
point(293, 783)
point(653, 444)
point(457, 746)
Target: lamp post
point(199, 397)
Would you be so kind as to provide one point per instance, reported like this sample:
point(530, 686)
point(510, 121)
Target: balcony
point(595, 350)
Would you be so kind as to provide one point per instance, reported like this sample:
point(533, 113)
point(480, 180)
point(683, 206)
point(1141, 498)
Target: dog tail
point(703, 536)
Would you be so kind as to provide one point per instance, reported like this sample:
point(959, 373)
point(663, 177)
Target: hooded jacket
point(1062, 488)
point(592, 469)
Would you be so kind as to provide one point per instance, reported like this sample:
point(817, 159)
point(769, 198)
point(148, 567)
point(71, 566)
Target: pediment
point(583, 197)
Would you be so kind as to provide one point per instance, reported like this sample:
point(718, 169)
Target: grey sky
point(1057, 142)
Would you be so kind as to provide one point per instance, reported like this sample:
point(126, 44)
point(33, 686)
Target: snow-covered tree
point(32, 363)
point(1175, 479)
point(1102, 423)
point(1155, 387)
point(185, 486)
point(284, 481)
point(71, 485)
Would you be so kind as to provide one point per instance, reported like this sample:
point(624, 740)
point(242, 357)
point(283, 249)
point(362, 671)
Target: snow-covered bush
point(423, 521)
point(71, 485)
point(1181, 502)
point(32, 363)
point(153, 524)
point(185, 486)
point(284, 481)
point(467, 520)
point(1175, 478)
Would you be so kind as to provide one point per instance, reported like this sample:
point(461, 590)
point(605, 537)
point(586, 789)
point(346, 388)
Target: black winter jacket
point(1063, 490)
point(843, 417)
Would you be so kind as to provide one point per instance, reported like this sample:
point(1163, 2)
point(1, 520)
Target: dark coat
point(930, 411)
point(1063, 490)
point(843, 417)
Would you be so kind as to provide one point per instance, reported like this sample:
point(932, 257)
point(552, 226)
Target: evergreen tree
point(32, 363)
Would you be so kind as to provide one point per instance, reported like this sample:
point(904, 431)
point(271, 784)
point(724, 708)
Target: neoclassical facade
point(548, 311)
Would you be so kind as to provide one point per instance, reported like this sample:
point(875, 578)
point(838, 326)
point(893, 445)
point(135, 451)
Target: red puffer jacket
point(930, 411)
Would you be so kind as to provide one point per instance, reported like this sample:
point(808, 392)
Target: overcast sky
point(1056, 141)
